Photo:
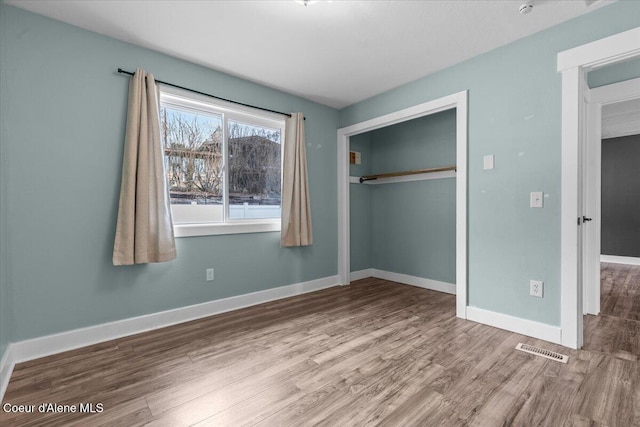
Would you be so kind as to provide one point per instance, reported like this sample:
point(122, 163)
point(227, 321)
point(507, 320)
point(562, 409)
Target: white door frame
point(596, 99)
point(573, 64)
point(457, 101)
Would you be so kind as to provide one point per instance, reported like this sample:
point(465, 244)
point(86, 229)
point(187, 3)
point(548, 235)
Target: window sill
point(192, 230)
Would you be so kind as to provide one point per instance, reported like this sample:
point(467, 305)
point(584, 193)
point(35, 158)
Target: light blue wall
point(414, 223)
point(63, 109)
point(614, 73)
point(360, 228)
point(425, 142)
point(5, 317)
point(406, 228)
point(63, 113)
point(514, 113)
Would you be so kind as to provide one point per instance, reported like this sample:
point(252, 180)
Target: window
point(223, 165)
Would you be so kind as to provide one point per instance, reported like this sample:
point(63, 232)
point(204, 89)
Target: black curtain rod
point(121, 71)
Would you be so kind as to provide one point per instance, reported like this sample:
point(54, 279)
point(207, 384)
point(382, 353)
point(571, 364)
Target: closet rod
point(413, 172)
point(121, 71)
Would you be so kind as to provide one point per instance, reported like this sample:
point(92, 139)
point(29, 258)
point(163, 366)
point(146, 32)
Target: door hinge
point(579, 220)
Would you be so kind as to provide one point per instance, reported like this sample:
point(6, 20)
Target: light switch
point(536, 199)
point(488, 162)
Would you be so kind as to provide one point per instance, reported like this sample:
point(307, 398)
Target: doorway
point(457, 101)
point(607, 116)
point(573, 64)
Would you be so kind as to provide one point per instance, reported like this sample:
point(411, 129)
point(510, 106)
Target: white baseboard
point(421, 282)
point(6, 368)
point(614, 259)
point(515, 324)
point(361, 274)
point(35, 348)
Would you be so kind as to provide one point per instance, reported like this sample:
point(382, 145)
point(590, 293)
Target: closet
point(402, 200)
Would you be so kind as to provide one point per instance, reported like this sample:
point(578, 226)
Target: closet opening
point(402, 198)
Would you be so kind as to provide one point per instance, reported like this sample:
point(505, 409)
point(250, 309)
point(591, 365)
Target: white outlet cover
point(536, 199)
point(536, 288)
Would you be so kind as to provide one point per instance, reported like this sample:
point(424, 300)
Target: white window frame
point(228, 111)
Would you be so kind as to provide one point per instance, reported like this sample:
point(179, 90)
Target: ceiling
point(333, 52)
point(621, 119)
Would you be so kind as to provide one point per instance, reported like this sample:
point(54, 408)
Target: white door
point(582, 219)
point(591, 208)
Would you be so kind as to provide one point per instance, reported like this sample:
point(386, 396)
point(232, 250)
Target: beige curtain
point(296, 214)
point(144, 232)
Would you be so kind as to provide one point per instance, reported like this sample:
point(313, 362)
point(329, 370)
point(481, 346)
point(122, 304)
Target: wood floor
point(373, 353)
point(620, 290)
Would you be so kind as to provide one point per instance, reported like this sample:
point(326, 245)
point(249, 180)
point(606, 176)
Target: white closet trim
point(457, 101)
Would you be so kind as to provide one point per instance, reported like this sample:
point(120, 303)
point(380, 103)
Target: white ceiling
point(335, 53)
point(621, 119)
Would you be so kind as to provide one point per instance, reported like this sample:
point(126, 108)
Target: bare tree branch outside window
point(254, 164)
point(194, 160)
point(193, 156)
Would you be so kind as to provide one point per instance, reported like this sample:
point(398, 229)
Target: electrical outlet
point(209, 274)
point(536, 288)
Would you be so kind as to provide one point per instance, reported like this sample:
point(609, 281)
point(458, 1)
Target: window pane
point(193, 161)
point(254, 171)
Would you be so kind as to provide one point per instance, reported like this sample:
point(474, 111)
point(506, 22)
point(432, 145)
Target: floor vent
point(542, 352)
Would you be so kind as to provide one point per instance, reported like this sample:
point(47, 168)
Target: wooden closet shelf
point(411, 172)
